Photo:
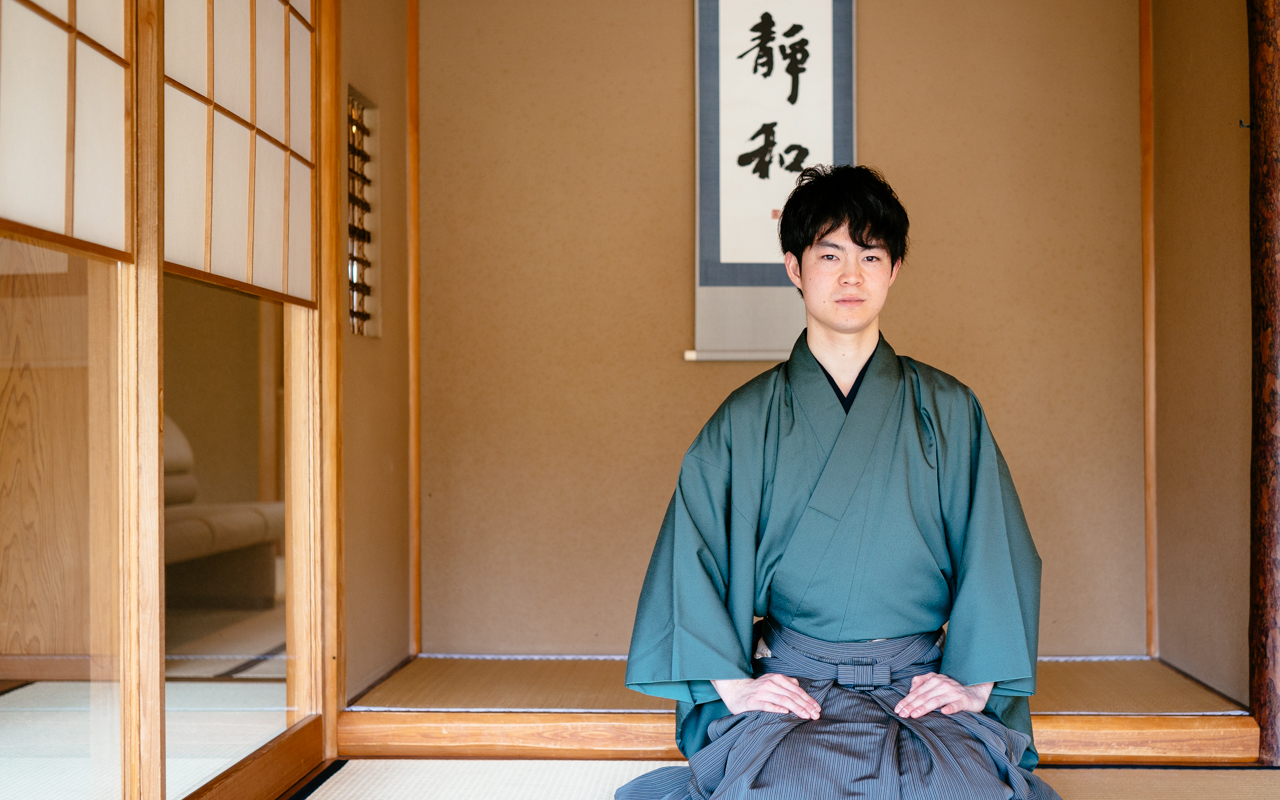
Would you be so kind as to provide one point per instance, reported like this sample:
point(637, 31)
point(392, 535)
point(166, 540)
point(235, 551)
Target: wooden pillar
point(333, 319)
point(1264, 245)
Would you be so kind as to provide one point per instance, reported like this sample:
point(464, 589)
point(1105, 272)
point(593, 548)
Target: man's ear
point(893, 276)
point(793, 270)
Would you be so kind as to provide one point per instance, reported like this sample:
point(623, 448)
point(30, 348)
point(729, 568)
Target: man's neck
point(843, 355)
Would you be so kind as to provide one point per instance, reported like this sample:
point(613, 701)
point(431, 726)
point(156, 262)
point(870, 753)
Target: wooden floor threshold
point(1183, 740)
point(1061, 739)
point(478, 734)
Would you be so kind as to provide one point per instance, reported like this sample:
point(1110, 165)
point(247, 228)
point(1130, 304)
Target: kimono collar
point(820, 404)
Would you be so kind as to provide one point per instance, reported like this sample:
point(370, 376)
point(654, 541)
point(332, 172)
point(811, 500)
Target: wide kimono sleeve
point(995, 613)
point(685, 635)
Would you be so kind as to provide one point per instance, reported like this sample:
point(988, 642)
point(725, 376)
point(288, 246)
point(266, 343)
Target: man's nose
point(852, 275)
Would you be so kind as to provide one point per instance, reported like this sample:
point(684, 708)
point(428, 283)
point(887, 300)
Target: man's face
point(844, 285)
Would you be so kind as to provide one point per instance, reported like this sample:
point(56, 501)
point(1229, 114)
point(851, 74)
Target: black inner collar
point(846, 400)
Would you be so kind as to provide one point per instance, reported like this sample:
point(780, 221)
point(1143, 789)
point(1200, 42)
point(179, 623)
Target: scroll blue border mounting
point(711, 272)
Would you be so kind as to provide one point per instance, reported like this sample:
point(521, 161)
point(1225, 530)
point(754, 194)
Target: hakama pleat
point(858, 748)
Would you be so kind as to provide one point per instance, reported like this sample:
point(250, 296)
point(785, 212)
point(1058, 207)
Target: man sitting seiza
point(833, 514)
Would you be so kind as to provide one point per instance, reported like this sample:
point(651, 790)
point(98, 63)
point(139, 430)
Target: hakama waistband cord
point(858, 747)
point(854, 665)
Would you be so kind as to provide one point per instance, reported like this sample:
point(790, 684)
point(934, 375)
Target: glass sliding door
point(98, 667)
point(66, 141)
point(224, 530)
point(240, 480)
point(60, 632)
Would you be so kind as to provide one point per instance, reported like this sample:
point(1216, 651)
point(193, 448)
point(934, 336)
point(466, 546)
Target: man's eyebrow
point(829, 243)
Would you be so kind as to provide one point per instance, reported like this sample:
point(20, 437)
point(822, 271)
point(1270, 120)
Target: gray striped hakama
point(858, 747)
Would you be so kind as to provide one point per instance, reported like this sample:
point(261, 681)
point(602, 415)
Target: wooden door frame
point(332, 168)
point(141, 454)
point(312, 482)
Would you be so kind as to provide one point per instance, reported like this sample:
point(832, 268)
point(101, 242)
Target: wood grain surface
point(44, 459)
point(1145, 740)
point(1060, 739)
point(1264, 246)
point(303, 503)
point(271, 769)
point(333, 146)
point(1146, 123)
point(140, 344)
point(506, 735)
point(414, 290)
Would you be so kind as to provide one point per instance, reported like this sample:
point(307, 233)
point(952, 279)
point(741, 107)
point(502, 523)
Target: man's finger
point(914, 696)
point(919, 679)
point(785, 683)
point(928, 698)
point(768, 694)
point(797, 706)
point(934, 702)
point(792, 688)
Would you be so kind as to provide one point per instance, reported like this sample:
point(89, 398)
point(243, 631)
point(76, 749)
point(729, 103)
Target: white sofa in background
point(219, 555)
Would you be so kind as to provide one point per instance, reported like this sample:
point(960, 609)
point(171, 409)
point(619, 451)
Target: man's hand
point(933, 691)
point(777, 693)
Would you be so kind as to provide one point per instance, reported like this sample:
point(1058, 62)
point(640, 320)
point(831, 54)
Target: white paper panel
point(270, 67)
point(268, 216)
point(304, 8)
point(186, 43)
point(301, 215)
point(103, 21)
point(98, 214)
point(56, 7)
point(186, 136)
point(230, 248)
point(33, 119)
point(752, 196)
point(299, 88)
point(231, 53)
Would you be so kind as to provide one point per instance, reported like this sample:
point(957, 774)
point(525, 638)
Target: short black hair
point(828, 197)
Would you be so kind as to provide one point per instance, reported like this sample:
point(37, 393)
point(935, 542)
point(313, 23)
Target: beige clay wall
point(1201, 73)
point(375, 383)
point(558, 235)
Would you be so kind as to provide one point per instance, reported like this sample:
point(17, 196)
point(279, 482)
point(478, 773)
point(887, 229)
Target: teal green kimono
point(886, 522)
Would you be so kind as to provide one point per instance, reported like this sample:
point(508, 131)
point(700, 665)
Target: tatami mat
point(468, 684)
point(1143, 687)
point(476, 684)
point(61, 739)
point(597, 780)
point(481, 780)
point(216, 643)
point(1137, 783)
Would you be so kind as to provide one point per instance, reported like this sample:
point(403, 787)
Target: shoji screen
point(239, 144)
point(64, 121)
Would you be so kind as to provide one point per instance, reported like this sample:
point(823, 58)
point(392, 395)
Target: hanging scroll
point(775, 95)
